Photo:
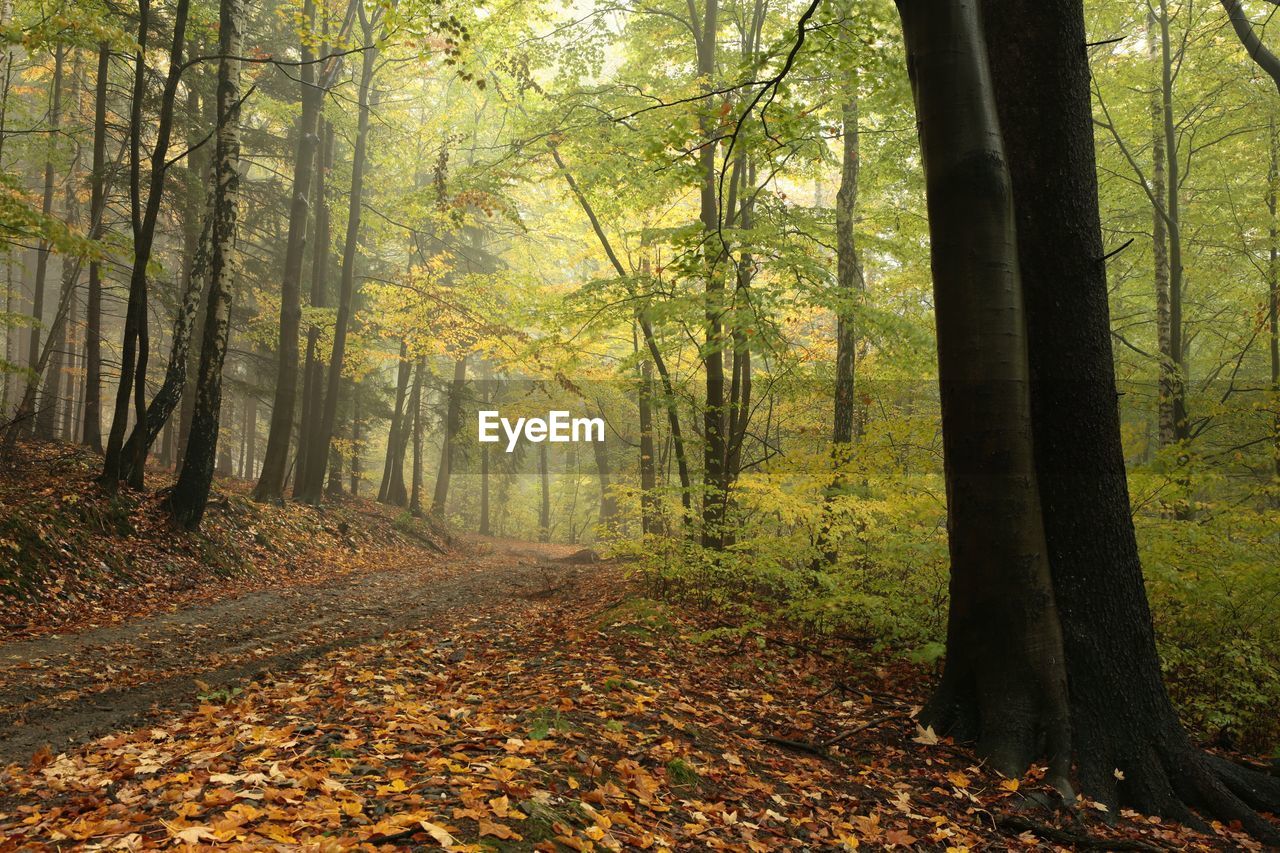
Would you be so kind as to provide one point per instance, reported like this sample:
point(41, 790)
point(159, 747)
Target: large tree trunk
point(271, 485)
point(850, 283)
point(191, 492)
point(311, 481)
point(1121, 717)
point(134, 351)
point(1004, 685)
point(452, 424)
point(92, 429)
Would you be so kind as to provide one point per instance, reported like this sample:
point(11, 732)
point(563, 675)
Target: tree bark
point(850, 286)
point(313, 370)
point(392, 490)
point(484, 528)
point(46, 208)
point(1004, 684)
point(1167, 382)
point(415, 412)
point(1273, 300)
point(134, 351)
point(650, 517)
point(1121, 716)
point(608, 501)
point(175, 383)
point(544, 507)
point(714, 484)
point(1177, 363)
point(190, 494)
point(271, 484)
point(92, 429)
point(452, 424)
point(651, 342)
point(47, 417)
point(311, 481)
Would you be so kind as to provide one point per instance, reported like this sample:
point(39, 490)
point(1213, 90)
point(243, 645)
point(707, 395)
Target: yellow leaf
point(439, 833)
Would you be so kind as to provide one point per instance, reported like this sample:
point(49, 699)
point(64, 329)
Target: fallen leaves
point(538, 725)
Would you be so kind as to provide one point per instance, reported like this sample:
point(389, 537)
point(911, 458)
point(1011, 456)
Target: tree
point(92, 429)
point(311, 479)
point(452, 424)
point(134, 350)
point(190, 494)
point(1003, 685)
point(311, 95)
point(1124, 735)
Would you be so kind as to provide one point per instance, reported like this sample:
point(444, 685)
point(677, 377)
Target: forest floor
point(496, 695)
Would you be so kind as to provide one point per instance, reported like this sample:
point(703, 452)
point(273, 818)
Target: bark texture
point(190, 494)
point(1004, 683)
point(1121, 716)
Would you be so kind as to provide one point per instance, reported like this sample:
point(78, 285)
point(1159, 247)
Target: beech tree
point(190, 494)
point(1082, 571)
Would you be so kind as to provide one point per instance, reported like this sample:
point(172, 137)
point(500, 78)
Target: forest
point(640, 424)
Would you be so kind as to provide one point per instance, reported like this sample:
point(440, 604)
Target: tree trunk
point(714, 484)
point(46, 208)
point(650, 518)
point(415, 412)
point(651, 342)
point(850, 287)
point(47, 416)
point(1177, 378)
point(484, 464)
point(1166, 384)
point(544, 508)
point(313, 370)
point(92, 430)
point(312, 480)
point(1121, 716)
point(1004, 684)
point(175, 383)
point(134, 351)
point(271, 485)
point(608, 501)
point(190, 495)
point(355, 441)
point(1273, 301)
point(392, 490)
point(452, 424)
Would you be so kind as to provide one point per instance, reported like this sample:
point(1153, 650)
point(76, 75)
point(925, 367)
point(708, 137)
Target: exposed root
point(1171, 779)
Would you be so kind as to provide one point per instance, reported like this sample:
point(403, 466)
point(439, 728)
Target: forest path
point(66, 689)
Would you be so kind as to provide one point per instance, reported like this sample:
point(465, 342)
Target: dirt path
point(67, 689)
